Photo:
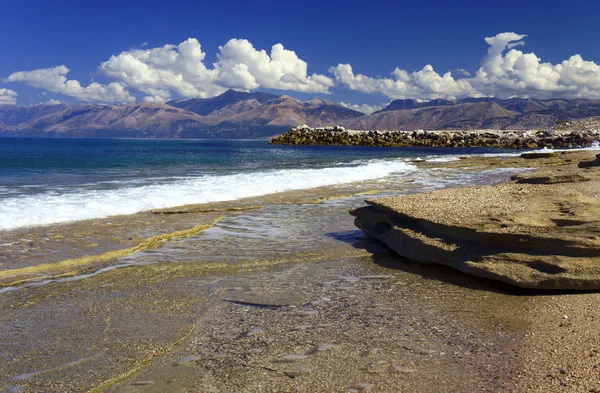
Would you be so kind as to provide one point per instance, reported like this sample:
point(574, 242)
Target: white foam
point(51, 207)
point(443, 158)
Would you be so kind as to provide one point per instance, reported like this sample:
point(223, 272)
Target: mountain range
point(259, 115)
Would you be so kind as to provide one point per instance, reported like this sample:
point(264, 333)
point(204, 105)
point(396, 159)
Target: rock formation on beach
point(337, 135)
point(542, 231)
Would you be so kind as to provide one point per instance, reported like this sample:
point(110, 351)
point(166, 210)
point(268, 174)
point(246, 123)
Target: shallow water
point(111, 322)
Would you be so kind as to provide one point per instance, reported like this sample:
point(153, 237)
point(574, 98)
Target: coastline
point(336, 313)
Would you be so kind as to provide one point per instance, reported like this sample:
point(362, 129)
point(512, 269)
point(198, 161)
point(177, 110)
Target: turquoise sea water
point(45, 181)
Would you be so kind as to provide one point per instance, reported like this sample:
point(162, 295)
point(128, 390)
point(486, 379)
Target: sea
point(46, 181)
point(83, 305)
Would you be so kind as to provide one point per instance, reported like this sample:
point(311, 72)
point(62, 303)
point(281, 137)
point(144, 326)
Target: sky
point(360, 54)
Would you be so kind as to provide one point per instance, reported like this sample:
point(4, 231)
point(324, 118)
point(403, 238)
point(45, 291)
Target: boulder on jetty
point(543, 236)
point(336, 135)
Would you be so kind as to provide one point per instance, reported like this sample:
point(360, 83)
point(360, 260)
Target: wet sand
point(288, 297)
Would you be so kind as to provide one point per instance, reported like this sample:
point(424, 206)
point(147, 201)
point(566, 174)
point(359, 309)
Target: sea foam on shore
point(54, 207)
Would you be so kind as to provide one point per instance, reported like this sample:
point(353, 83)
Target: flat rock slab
point(536, 155)
point(589, 164)
point(543, 236)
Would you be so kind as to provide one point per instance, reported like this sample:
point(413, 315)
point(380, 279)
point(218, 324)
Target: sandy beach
point(280, 293)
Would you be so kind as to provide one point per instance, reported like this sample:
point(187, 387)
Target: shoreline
point(303, 304)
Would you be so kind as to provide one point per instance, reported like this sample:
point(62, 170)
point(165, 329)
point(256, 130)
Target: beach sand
point(209, 303)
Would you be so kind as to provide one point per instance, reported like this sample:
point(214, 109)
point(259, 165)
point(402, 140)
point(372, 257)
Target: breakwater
point(511, 139)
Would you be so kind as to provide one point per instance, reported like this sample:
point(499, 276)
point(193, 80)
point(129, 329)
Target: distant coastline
point(238, 115)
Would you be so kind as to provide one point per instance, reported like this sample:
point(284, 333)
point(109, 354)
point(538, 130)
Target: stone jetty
point(510, 139)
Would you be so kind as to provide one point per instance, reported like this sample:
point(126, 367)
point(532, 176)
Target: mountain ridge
point(236, 114)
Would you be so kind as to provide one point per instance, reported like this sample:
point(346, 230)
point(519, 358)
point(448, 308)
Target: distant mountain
point(432, 118)
point(475, 113)
point(205, 106)
point(259, 115)
point(143, 120)
point(230, 115)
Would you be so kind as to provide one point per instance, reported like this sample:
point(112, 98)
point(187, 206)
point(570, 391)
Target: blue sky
point(370, 39)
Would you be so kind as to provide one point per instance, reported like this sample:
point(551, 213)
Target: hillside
point(258, 115)
point(230, 115)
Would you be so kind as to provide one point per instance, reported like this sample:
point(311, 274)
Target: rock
point(365, 387)
point(338, 135)
point(404, 369)
point(188, 359)
point(531, 156)
point(526, 178)
point(325, 347)
point(589, 164)
point(142, 383)
point(254, 332)
point(532, 236)
point(294, 357)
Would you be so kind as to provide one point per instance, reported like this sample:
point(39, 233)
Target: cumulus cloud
point(240, 65)
point(8, 97)
point(425, 83)
point(461, 71)
point(180, 70)
point(157, 72)
point(504, 72)
point(55, 80)
point(52, 101)
point(364, 108)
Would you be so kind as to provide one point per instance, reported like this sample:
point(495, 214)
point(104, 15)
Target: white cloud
point(8, 97)
point(242, 66)
point(159, 71)
point(55, 80)
point(504, 72)
point(364, 108)
point(52, 101)
point(180, 69)
point(425, 83)
point(461, 71)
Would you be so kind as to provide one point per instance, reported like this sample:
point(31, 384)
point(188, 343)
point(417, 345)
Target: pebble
point(294, 357)
point(307, 312)
point(365, 387)
point(142, 383)
point(188, 359)
point(325, 347)
point(254, 332)
point(404, 369)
